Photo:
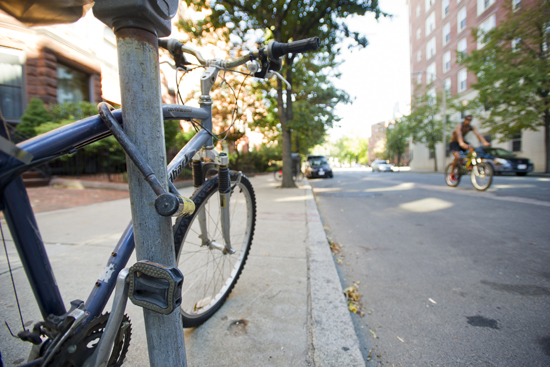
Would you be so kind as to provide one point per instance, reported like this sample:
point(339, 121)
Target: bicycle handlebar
point(277, 49)
point(274, 51)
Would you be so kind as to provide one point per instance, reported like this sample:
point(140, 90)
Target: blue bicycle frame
point(21, 221)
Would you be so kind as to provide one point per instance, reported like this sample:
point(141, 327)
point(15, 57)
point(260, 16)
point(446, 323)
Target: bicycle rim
point(482, 176)
point(209, 274)
point(448, 179)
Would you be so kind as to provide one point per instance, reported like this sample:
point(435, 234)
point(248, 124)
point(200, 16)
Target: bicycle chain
point(80, 346)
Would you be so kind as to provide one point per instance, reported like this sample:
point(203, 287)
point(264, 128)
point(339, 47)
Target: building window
point(418, 33)
point(446, 33)
point(11, 83)
point(445, 7)
point(419, 56)
point(461, 19)
point(431, 96)
point(430, 73)
point(516, 44)
point(72, 85)
point(485, 27)
point(461, 49)
point(430, 48)
point(418, 10)
point(430, 23)
point(462, 75)
point(429, 4)
point(516, 143)
point(419, 78)
point(482, 5)
point(447, 85)
point(516, 4)
point(446, 61)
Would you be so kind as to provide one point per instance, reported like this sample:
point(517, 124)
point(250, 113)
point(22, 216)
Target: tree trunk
point(287, 182)
point(435, 159)
point(547, 139)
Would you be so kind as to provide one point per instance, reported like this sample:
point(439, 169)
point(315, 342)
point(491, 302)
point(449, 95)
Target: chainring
point(80, 346)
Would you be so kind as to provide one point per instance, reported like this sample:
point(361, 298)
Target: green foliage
point(260, 160)
point(286, 21)
point(424, 123)
point(35, 115)
point(72, 111)
point(397, 140)
point(513, 72)
point(350, 149)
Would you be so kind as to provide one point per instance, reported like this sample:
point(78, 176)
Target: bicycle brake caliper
point(155, 287)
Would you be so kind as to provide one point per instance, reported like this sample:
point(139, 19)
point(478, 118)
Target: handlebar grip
point(277, 49)
point(170, 44)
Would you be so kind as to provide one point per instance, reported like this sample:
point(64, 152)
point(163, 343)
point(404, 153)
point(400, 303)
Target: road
point(448, 276)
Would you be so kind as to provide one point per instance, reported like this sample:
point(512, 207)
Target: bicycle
point(481, 173)
point(296, 176)
point(213, 231)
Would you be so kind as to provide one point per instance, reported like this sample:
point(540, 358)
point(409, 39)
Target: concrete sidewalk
point(287, 309)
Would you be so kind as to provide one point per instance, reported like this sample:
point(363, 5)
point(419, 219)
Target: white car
point(381, 166)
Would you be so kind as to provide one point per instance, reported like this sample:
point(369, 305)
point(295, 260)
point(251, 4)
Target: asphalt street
point(448, 276)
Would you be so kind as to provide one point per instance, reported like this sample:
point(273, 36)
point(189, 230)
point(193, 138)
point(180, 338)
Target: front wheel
point(209, 273)
point(452, 178)
point(482, 176)
point(278, 175)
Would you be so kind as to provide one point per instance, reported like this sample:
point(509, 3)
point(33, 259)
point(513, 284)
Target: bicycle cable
point(197, 126)
point(12, 283)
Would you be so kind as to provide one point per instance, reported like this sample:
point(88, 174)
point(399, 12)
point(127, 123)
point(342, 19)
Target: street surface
point(448, 276)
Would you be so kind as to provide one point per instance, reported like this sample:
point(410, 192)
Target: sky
point(378, 76)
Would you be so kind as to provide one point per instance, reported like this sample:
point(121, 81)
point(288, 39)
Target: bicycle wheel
point(452, 181)
point(209, 274)
point(278, 175)
point(482, 176)
point(299, 177)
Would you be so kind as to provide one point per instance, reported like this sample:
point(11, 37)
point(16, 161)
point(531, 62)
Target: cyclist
point(458, 144)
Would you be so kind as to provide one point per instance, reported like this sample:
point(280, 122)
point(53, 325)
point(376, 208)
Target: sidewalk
point(287, 309)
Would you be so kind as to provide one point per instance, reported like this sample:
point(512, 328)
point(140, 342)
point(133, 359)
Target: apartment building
point(440, 31)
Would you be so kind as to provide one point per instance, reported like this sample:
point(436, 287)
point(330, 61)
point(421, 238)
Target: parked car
point(318, 166)
point(502, 160)
point(381, 166)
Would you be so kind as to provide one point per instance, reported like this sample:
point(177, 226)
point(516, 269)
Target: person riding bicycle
point(458, 144)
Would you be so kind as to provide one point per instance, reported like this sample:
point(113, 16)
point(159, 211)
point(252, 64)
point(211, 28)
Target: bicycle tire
point(448, 180)
point(210, 275)
point(299, 177)
point(482, 176)
point(278, 175)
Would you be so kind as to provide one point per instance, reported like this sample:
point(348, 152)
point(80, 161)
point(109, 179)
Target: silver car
point(381, 166)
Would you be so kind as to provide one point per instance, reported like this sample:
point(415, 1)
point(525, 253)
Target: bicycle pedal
point(155, 287)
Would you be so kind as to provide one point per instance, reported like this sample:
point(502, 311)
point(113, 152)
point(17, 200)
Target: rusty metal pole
point(138, 62)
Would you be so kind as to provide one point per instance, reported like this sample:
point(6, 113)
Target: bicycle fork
point(225, 190)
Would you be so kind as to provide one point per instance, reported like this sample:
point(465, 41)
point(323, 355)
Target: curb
point(335, 342)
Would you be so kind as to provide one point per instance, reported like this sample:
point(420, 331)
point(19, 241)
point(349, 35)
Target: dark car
point(502, 160)
point(318, 166)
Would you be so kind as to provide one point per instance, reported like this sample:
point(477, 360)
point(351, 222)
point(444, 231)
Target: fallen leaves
point(335, 247)
point(353, 298)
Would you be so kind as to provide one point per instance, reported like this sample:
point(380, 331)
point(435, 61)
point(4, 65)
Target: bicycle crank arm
point(103, 350)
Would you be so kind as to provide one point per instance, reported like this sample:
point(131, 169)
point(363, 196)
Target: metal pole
point(444, 156)
point(142, 115)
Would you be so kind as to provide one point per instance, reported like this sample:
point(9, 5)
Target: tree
point(424, 122)
point(513, 72)
point(396, 140)
point(285, 21)
point(35, 115)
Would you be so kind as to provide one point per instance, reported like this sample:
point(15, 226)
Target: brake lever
point(271, 73)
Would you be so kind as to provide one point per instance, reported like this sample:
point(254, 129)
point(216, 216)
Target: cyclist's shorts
point(455, 147)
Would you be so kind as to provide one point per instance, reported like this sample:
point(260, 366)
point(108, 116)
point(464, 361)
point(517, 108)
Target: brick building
point(440, 30)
